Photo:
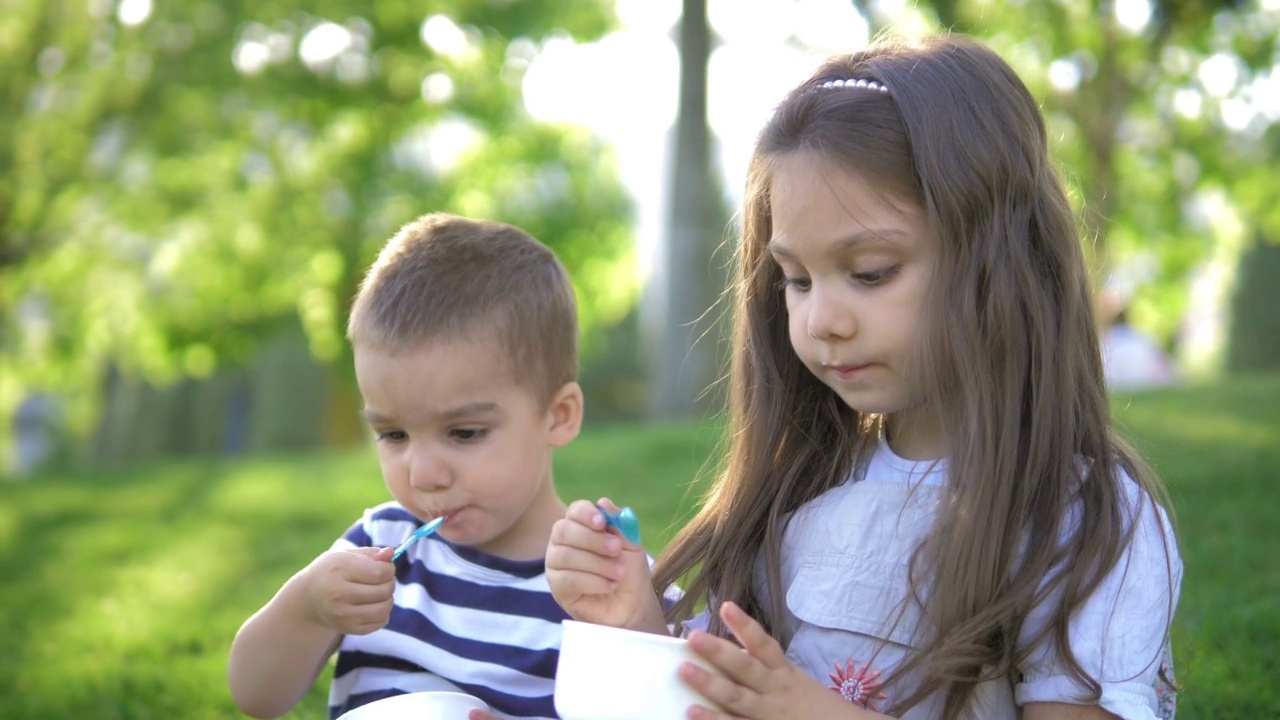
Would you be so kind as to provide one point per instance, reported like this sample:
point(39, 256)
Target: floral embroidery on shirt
point(859, 685)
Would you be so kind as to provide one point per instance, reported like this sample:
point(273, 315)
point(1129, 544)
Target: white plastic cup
point(607, 673)
point(418, 706)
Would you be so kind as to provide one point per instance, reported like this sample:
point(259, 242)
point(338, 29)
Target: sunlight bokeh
point(624, 87)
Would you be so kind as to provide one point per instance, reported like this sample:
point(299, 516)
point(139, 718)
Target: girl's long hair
point(1008, 359)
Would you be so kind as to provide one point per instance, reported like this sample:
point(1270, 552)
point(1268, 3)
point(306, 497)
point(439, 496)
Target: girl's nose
point(830, 316)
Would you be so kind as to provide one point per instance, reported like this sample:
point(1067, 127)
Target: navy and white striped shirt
point(463, 619)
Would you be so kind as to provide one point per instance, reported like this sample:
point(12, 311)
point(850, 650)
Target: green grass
point(1218, 448)
point(120, 593)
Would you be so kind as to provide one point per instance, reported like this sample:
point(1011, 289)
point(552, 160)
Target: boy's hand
point(350, 591)
point(758, 680)
point(599, 577)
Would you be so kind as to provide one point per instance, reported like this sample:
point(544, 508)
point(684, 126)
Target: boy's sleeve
point(669, 597)
point(356, 536)
point(1120, 634)
point(382, 526)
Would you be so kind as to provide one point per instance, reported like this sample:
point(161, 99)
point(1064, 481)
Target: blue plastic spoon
point(418, 534)
point(626, 522)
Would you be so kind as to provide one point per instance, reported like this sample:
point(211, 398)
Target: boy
point(465, 341)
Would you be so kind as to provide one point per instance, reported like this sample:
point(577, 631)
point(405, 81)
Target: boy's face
point(456, 435)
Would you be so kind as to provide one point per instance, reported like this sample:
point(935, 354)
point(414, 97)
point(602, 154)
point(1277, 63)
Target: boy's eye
point(392, 436)
point(468, 434)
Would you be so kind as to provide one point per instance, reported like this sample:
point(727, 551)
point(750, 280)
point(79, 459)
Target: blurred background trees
point(189, 192)
point(192, 191)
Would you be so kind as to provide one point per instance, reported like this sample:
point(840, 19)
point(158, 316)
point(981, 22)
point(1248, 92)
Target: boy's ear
point(565, 414)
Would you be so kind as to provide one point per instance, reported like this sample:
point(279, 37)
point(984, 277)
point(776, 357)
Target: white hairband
point(868, 84)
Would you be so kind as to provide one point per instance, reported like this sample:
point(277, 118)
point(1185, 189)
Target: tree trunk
point(682, 334)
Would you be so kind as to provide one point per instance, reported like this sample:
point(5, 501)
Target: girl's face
point(857, 265)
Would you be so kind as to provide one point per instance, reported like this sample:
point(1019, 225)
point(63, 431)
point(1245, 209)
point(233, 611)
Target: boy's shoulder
point(386, 524)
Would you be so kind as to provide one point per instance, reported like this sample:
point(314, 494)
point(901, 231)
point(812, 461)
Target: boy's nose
point(427, 472)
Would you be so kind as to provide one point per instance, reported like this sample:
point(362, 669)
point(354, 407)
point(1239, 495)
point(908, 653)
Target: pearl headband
point(868, 84)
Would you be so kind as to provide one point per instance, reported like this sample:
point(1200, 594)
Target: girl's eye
point(877, 277)
point(393, 436)
point(798, 283)
point(468, 434)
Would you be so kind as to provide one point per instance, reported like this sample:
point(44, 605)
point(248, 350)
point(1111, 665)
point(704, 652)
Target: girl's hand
point(599, 577)
point(759, 681)
point(349, 591)
point(481, 715)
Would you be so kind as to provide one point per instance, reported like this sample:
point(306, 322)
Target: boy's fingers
point(571, 534)
point(586, 513)
point(370, 552)
point(369, 568)
point(567, 558)
point(573, 584)
point(362, 594)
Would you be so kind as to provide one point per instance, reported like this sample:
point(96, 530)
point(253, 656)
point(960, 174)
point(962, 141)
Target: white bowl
point(607, 673)
point(418, 706)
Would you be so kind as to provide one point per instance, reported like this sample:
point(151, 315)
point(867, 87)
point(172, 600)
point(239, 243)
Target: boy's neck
point(529, 538)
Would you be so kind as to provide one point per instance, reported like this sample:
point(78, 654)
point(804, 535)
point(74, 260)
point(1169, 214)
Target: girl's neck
point(914, 435)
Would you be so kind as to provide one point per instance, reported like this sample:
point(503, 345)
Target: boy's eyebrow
point(469, 409)
point(890, 236)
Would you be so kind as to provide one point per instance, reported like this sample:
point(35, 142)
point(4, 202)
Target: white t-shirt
point(844, 571)
point(1132, 360)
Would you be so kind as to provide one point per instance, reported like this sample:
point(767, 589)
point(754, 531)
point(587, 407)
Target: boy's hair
point(444, 278)
point(1008, 358)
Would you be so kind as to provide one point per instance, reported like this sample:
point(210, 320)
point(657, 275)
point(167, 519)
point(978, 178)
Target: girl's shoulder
point(1139, 509)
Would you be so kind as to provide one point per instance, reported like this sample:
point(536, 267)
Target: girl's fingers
point(751, 634)
point(735, 662)
point(721, 691)
point(697, 712)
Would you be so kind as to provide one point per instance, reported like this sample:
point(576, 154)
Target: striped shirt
point(462, 619)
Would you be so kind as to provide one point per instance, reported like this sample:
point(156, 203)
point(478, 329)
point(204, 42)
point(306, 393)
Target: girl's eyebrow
point(867, 236)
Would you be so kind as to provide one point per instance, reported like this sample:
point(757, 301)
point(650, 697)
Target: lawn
point(119, 593)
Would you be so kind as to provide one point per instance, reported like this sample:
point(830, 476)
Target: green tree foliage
point(1157, 110)
point(181, 179)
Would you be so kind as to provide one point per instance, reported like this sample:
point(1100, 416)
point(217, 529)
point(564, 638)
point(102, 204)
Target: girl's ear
point(565, 414)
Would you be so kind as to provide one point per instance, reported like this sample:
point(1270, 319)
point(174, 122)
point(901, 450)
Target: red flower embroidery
point(859, 685)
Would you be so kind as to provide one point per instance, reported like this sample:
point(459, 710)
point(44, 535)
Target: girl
point(924, 505)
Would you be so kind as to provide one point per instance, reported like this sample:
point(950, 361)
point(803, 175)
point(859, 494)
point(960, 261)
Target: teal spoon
point(626, 522)
point(418, 534)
